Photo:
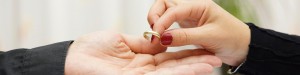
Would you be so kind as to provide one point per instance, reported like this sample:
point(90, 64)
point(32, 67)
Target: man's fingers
point(157, 9)
point(142, 45)
point(162, 57)
point(209, 59)
point(171, 59)
point(194, 69)
point(202, 68)
point(190, 69)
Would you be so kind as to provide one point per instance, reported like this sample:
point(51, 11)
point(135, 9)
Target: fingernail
point(152, 38)
point(166, 39)
point(151, 26)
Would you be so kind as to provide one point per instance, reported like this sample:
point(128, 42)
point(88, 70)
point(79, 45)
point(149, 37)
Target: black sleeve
point(272, 53)
point(45, 60)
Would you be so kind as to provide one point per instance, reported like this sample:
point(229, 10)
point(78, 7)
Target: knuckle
point(184, 37)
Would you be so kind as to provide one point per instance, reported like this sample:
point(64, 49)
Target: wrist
point(240, 34)
point(233, 59)
point(240, 52)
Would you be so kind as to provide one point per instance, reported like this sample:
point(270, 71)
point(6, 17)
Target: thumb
point(183, 36)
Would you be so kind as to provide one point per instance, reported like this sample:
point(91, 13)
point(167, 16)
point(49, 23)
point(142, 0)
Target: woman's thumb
point(181, 36)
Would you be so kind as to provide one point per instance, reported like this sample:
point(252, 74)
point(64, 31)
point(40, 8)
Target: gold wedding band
point(156, 34)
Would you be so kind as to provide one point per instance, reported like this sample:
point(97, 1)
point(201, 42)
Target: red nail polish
point(166, 39)
point(152, 38)
point(151, 26)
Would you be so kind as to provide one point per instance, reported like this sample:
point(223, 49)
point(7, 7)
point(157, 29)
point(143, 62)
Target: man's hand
point(105, 53)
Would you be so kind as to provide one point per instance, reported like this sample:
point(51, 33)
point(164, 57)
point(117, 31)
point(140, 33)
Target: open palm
point(113, 55)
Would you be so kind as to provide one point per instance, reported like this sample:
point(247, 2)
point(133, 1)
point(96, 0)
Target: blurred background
point(32, 23)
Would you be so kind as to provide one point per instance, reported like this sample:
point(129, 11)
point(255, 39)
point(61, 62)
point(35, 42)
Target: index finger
point(157, 9)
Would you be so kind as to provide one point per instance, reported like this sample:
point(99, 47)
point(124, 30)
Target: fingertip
point(218, 62)
point(174, 37)
point(166, 39)
point(153, 46)
point(159, 28)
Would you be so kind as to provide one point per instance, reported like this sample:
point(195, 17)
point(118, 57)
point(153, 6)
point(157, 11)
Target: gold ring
point(152, 33)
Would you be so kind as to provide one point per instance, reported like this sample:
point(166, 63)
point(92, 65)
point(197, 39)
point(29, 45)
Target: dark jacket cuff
point(271, 53)
point(44, 60)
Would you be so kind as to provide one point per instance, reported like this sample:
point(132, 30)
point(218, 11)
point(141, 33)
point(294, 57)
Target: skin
point(107, 53)
point(203, 23)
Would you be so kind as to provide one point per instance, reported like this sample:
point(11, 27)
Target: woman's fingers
point(164, 13)
point(170, 16)
point(165, 21)
point(157, 9)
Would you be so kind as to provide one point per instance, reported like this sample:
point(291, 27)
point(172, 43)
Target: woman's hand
point(203, 23)
point(106, 53)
